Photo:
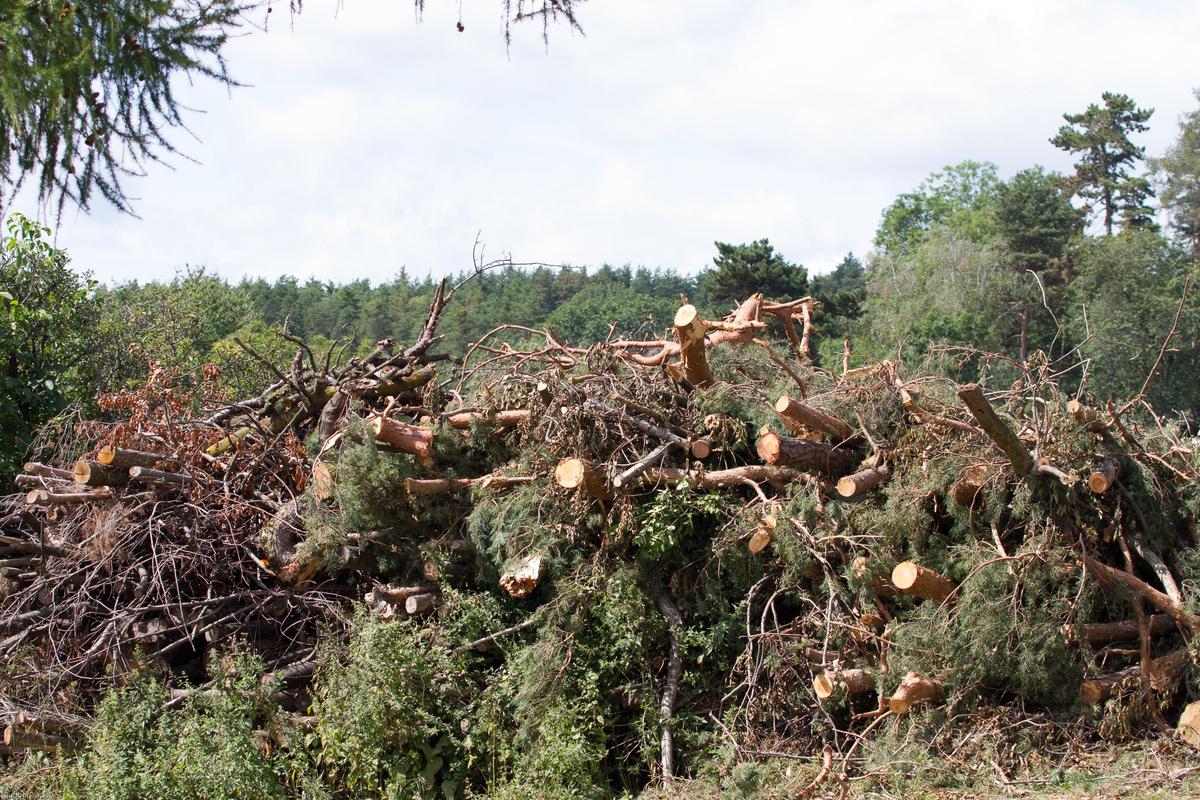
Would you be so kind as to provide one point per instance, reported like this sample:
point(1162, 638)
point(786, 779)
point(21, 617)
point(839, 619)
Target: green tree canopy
point(959, 196)
point(740, 270)
point(48, 316)
point(1178, 173)
point(1104, 173)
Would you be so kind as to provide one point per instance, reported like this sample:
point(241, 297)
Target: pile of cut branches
point(854, 545)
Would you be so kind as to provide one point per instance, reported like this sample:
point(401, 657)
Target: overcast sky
point(366, 142)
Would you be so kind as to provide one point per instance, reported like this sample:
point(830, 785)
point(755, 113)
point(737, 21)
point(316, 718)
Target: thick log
point(827, 682)
point(1163, 672)
point(522, 580)
point(635, 471)
point(504, 419)
point(784, 451)
point(44, 497)
point(322, 480)
point(864, 481)
point(118, 457)
point(968, 489)
point(1125, 630)
point(404, 437)
point(447, 485)
point(160, 477)
point(914, 689)
point(418, 604)
point(1085, 416)
point(690, 328)
point(813, 419)
point(911, 578)
point(93, 473)
point(46, 471)
point(996, 429)
point(576, 473)
point(1104, 474)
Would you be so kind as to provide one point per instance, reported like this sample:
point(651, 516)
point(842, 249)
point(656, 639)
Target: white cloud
point(368, 142)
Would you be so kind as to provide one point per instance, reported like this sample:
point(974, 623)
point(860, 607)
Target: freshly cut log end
point(760, 540)
point(863, 482)
point(914, 689)
point(828, 682)
point(1104, 475)
point(418, 604)
point(575, 473)
point(701, 448)
point(521, 582)
point(322, 480)
point(1085, 416)
point(93, 473)
point(119, 457)
point(911, 578)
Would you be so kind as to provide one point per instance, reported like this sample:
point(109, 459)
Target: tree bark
point(864, 481)
point(1163, 671)
point(1088, 417)
point(852, 681)
point(812, 418)
point(93, 473)
point(914, 689)
point(117, 457)
point(784, 451)
point(690, 329)
point(576, 473)
point(404, 437)
point(1126, 630)
point(996, 429)
point(911, 578)
point(968, 489)
point(158, 476)
point(447, 485)
point(510, 418)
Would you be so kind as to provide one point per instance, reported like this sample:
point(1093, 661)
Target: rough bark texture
point(812, 418)
point(404, 437)
point(784, 451)
point(996, 429)
point(911, 578)
point(1163, 671)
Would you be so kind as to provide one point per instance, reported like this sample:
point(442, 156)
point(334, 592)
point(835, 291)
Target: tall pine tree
point(1104, 174)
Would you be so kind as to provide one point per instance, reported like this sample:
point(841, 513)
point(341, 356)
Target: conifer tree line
point(1073, 266)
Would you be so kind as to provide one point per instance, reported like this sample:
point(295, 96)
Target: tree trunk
point(124, 459)
point(968, 489)
point(522, 580)
point(1104, 474)
point(690, 329)
point(404, 437)
point(576, 473)
point(93, 473)
point(1126, 630)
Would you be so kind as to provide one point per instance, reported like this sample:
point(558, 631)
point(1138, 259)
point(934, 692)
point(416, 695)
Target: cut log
point(914, 689)
point(1085, 416)
point(322, 480)
point(42, 483)
point(504, 419)
point(1104, 474)
point(419, 604)
point(864, 481)
point(827, 682)
point(118, 457)
point(723, 478)
point(1188, 728)
point(911, 578)
point(46, 471)
point(1125, 630)
point(576, 473)
point(996, 429)
point(760, 540)
point(44, 497)
point(93, 473)
point(784, 451)
point(404, 437)
point(397, 594)
point(1110, 576)
point(690, 328)
point(522, 580)
point(446, 485)
point(700, 448)
point(160, 477)
point(968, 489)
point(1163, 672)
point(812, 418)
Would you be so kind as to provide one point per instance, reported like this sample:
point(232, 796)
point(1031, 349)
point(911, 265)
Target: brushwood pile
point(541, 570)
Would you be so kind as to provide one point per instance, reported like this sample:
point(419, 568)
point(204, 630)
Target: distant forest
point(1069, 275)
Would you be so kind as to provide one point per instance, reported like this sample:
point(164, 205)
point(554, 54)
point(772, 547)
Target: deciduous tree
point(1178, 175)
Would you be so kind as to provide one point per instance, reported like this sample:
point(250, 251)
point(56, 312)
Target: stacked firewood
point(172, 537)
